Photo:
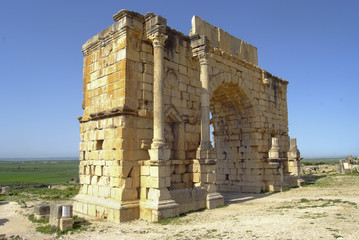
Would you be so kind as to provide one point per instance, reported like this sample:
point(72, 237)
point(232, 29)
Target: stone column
point(158, 203)
point(158, 151)
point(158, 41)
point(206, 155)
point(205, 149)
point(205, 120)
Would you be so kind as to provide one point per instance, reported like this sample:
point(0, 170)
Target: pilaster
point(276, 162)
point(294, 162)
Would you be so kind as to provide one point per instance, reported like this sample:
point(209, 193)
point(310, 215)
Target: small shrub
point(304, 200)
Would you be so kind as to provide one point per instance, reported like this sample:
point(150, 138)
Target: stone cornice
point(101, 41)
point(125, 20)
point(125, 13)
point(108, 113)
point(154, 24)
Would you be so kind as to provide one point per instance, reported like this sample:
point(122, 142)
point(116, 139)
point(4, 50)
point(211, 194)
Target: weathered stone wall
point(139, 69)
point(249, 107)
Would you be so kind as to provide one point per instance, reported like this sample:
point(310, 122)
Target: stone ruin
point(58, 213)
point(5, 190)
point(152, 96)
point(348, 165)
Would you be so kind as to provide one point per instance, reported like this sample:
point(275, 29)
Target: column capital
point(203, 58)
point(158, 39)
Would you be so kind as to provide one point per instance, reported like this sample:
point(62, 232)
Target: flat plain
point(38, 172)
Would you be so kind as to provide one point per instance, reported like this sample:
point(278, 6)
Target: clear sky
point(312, 44)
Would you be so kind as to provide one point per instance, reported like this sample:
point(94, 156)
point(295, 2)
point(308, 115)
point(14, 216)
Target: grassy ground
point(320, 161)
point(37, 172)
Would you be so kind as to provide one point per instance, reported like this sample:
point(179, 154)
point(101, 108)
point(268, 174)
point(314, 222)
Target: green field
point(321, 160)
point(38, 172)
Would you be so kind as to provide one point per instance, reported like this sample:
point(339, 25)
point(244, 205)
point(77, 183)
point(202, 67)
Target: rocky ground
point(325, 209)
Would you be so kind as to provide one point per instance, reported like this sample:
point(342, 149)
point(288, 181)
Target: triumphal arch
point(153, 100)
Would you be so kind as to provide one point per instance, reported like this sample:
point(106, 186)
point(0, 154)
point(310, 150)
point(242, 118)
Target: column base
point(209, 153)
point(110, 209)
point(155, 211)
point(214, 200)
point(273, 154)
point(159, 154)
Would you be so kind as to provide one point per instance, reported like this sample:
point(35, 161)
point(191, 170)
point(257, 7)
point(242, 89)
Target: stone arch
point(232, 116)
point(224, 77)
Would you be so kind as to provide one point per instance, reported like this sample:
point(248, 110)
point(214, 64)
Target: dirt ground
point(327, 209)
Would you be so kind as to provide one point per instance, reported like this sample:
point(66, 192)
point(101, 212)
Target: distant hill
point(39, 159)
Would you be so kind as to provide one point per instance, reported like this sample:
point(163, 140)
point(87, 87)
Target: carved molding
point(203, 58)
point(158, 39)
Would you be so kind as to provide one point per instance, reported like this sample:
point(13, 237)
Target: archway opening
point(231, 118)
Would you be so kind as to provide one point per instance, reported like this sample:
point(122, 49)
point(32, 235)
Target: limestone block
point(116, 193)
point(41, 211)
point(145, 170)
point(251, 189)
point(181, 196)
point(160, 171)
point(208, 177)
point(91, 210)
point(124, 132)
point(155, 182)
point(144, 133)
point(143, 193)
point(95, 190)
point(180, 169)
point(89, 190)
point(186, 177)
point(207, 168)
point(126, 154)
point(103, 181)
point(195, 177)
point(199, 194)
point(98, 170)
point(193, 168)
point(214, 200)
point(129, 194)
point(83, 189)
point(86, 179)
point(176, 178)
point(56, 213)
point(65, 223)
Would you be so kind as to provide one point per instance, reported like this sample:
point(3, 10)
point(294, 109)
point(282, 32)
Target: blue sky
point(311, 43)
